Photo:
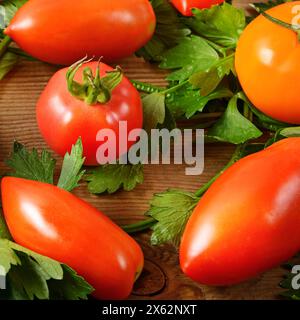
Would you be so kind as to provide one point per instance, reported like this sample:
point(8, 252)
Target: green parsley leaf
point(203, 101)
point(154, 110)
point(169, 31)
point(233, 127)
point(221, 24)
point(169, 122)
point(111, 177)
point(171, 209)
point(71, 172)
point(186, 100)
point(192, 55)
point(290, 132)
point(8, 9)
point(207, 81)
point(31, 165)
point(7, 63)
point(72, 287)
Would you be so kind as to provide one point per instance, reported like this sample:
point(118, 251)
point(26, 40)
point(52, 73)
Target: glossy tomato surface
point(64, 31)
point(55, 223)
point(63, 118)
point(185, 6)
point(268, 63)
point(248, 221)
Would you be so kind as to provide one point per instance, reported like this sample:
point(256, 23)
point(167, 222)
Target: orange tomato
point(268, 63)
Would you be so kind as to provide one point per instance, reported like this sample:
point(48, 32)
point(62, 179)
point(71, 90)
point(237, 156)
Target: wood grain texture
point(162, 278)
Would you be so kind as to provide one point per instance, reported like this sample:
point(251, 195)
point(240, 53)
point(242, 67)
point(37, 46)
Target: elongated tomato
point(55, 223)
point(64, 31)
point(248, 221)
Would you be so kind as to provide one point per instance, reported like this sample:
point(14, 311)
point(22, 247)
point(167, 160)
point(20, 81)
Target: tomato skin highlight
point(62, 118)
point(55, 223)
point(248, 221)
point(185, 6)
point(267, 64)
point(63, 32)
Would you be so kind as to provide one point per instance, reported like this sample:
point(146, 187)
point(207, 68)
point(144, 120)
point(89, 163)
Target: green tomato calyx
point(94, 89)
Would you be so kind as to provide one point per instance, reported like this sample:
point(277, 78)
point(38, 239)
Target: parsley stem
point(4, 45)
point(140, 226)
point(174, 88)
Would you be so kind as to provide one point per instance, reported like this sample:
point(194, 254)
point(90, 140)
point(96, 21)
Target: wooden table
point(162, 278)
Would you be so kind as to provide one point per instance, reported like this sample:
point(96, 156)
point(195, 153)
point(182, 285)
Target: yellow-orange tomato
point(268, 64)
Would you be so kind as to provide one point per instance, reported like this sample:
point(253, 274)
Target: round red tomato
point(63, 118)
point(268, 62)
point(248, 221)
point(185, 6)
point(56, 224)
point(64, 31)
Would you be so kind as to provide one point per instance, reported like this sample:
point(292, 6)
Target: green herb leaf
point(192, 55)
point(31, 165)
point(8, 9)
point(171, 209)
point(207, 81)
point(169, 31)
point(72, 287)
point(7, 63)
point(221, 24)
point(154, 110)
point(233, 127)
point(290, 132)
point(71, 172)
point(112, 177)
point(187, 101)
point(169, 122)
point(203, 101)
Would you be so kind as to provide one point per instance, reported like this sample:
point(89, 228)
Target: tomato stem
point(292, 27)
point(4, 45)
point(140, 226)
